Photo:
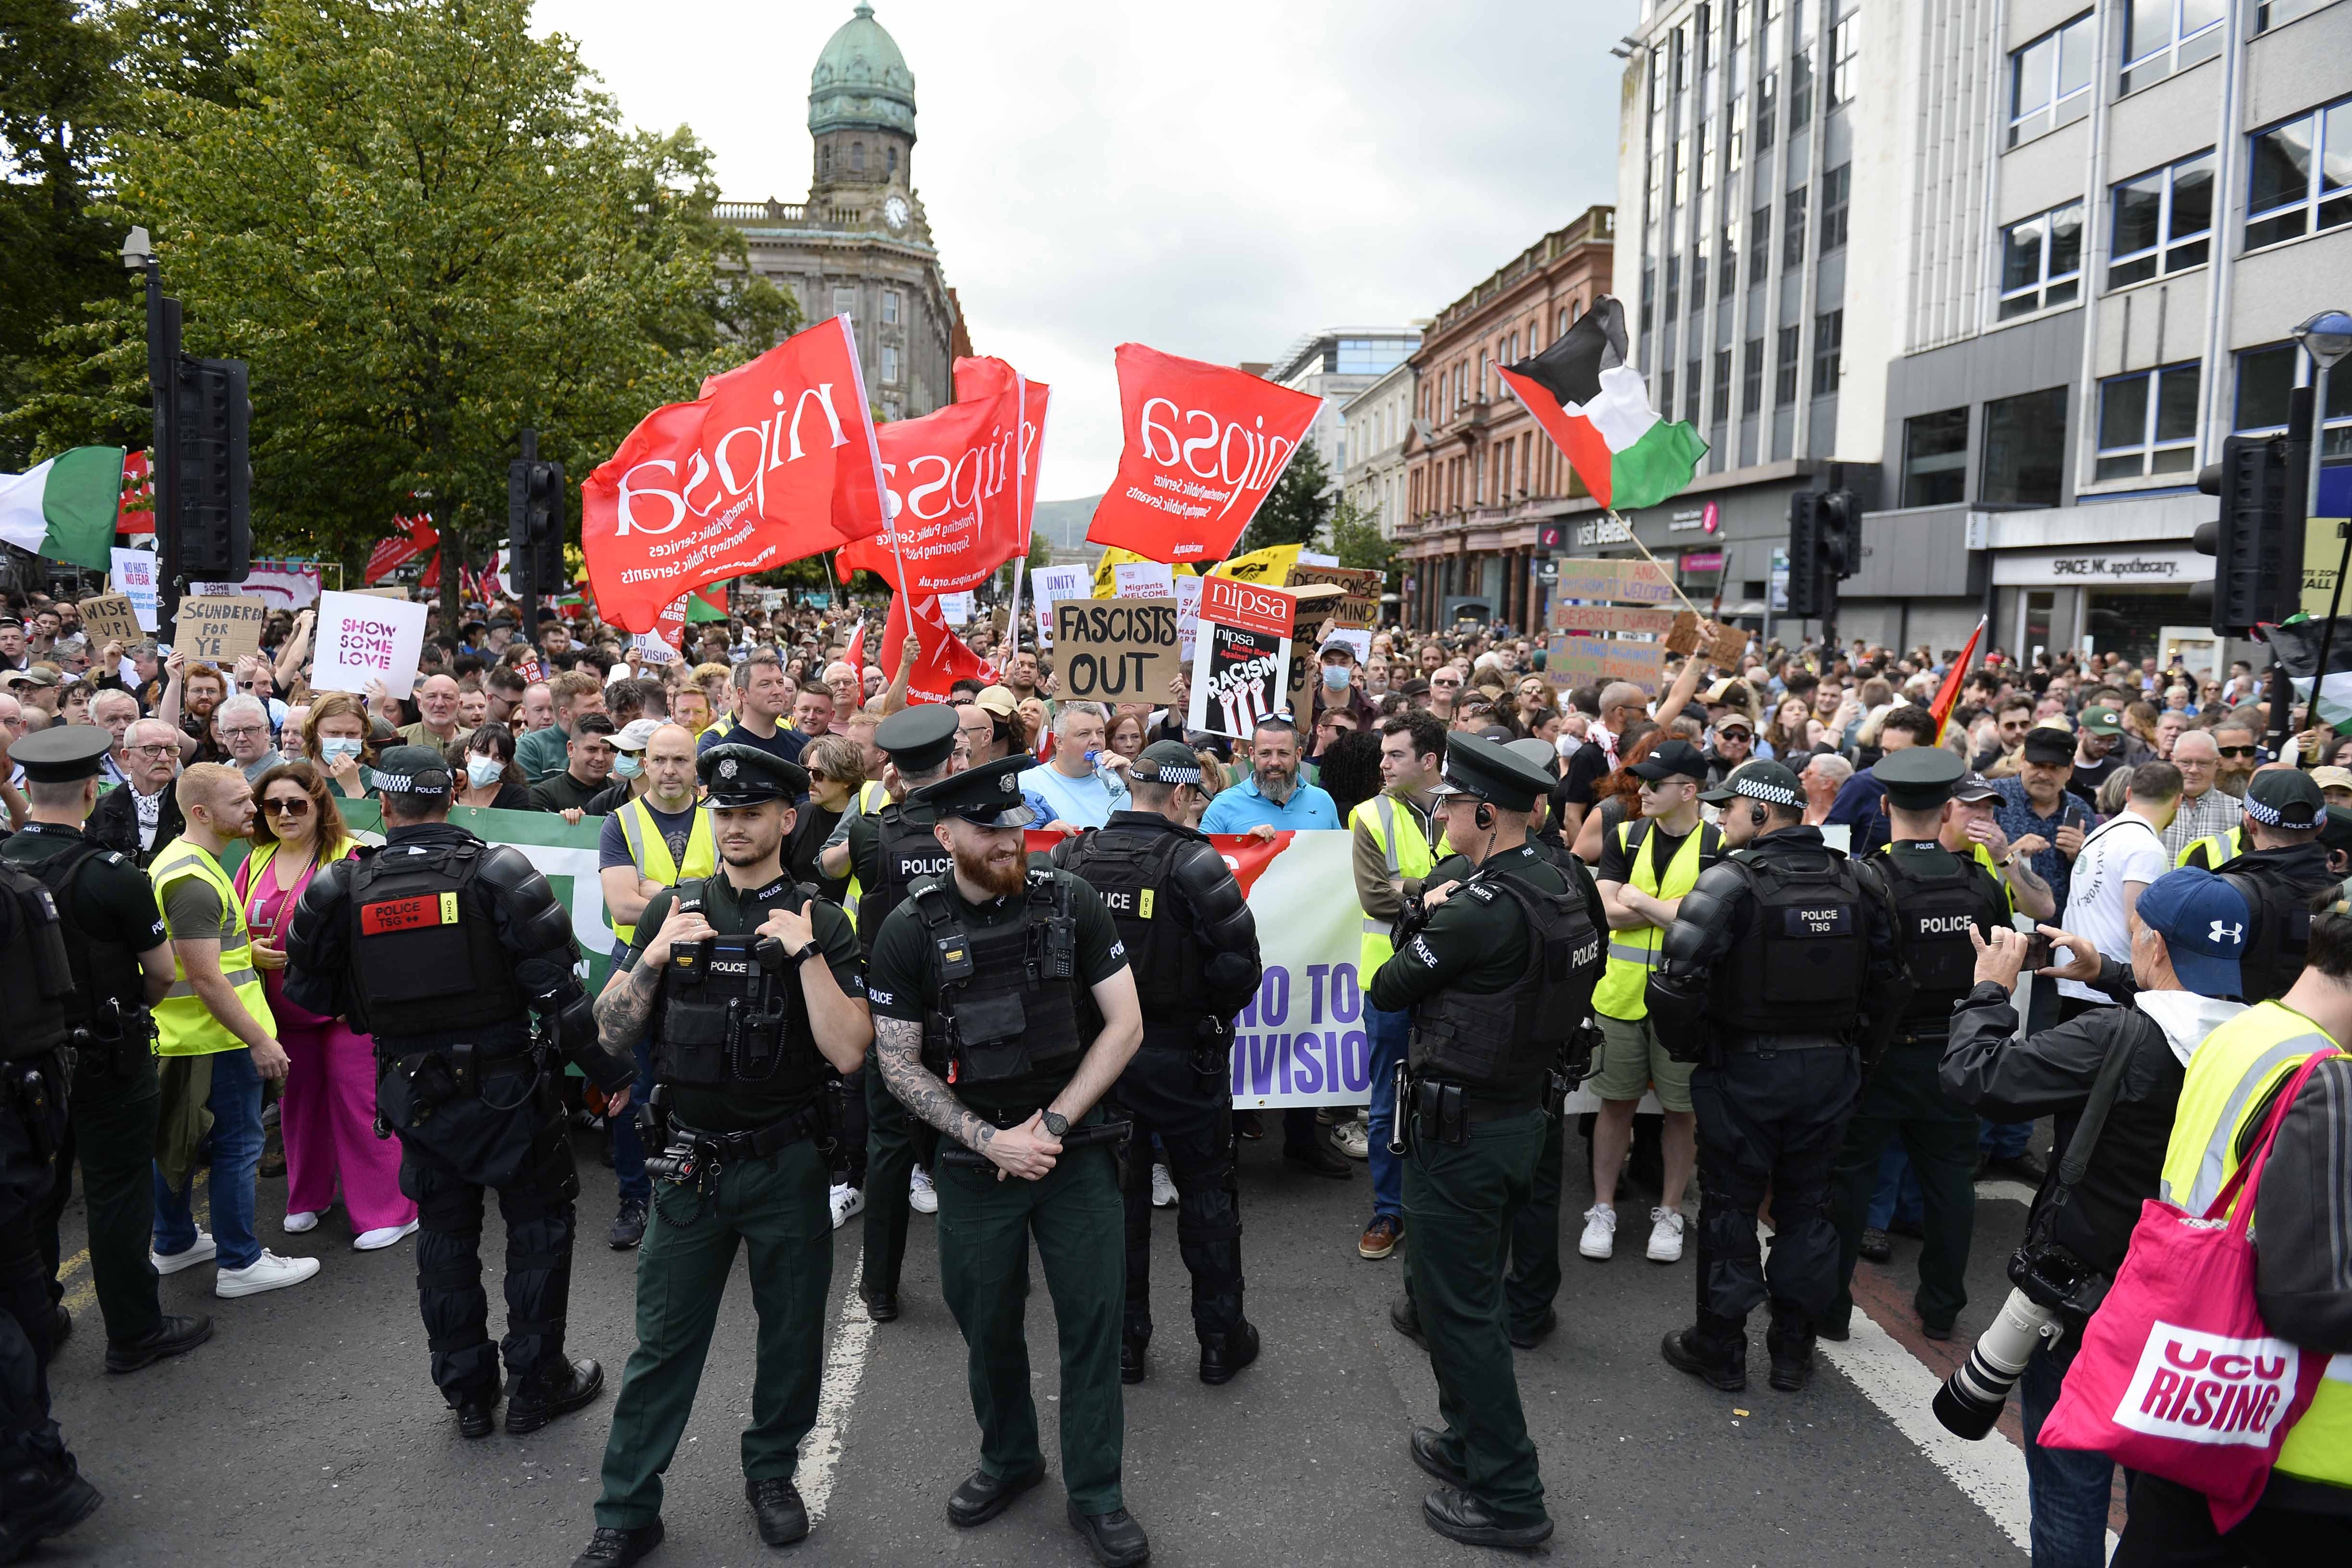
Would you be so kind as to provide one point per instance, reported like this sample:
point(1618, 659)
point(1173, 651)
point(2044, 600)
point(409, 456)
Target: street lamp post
point(2325, 338)
point(163, 380)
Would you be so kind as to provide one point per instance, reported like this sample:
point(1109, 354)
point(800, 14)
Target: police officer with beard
point(750, 986)
point(1498, 977)
point(442, 947)
point(1781, 962)
point(1193, 945)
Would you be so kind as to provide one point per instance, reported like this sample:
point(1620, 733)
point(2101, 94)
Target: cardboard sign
point(1593, 661)
point(1049, 583)
point(957, 608)
point(1143, 580)
point(363, 639)
point(1602, 619)
point(112, 618)
point(1695, 633)
point(1116, 649)
point(220, 629)
point(134, 577)
point(1241, 658)
point(1623, 581)
point(1316, 607)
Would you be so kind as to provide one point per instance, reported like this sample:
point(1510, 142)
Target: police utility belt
point(118, 1037)
point(449, 1072)
point(692, 1157)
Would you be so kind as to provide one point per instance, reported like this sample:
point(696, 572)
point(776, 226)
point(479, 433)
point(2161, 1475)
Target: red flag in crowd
point(986, 377)
point(775, 461)
point(137, 513)
point(956, 491)
point(944, 657)
point(417, 535)
point(855, 657)
point(1204, 445)
point(1947, 695)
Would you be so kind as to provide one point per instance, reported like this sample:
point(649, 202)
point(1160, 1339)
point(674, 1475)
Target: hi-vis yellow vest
point(1400, 836)
point(1633, 952)
point(2218, 847)
point(649, 853)
point(871, 798)
point(2230, 1075)
point(184, 1025)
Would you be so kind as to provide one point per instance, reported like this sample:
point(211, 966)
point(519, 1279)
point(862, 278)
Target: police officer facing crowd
point(1943, 903)
point(987, 986)
point(1192, 945)
point(2281, 867)
point(121, 963)
point(888, 852)
point(441, 947)
point(42, 1492)
point(1497, 972)
point(1780, 962)
point(750, 983)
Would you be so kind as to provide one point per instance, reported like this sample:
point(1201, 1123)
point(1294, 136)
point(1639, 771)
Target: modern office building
point(1336, 364)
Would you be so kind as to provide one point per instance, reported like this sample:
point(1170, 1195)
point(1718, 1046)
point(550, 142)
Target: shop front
point(2107, 577)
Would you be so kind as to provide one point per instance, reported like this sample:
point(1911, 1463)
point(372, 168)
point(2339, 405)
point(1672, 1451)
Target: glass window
point(1680, 194)
point(1666, 392)
point(2161, 37)
point(1793, 229)
point(1649, 296)
point(2025, 450)
point(1751, 377)
point(2161, 221)
point(1691, 388)
point(1721, 410)
point(1736, 119)
point(2050, 79)
point(2042, 261)
point(1727, 273)
point(890, 308)
point(1800, 89)
point(845, 301)
point(1699, 280)
point(2147, 423)
point(1768, 108)
point(1784, 375)
point(2300, 181)
point(2269, 14)
point(858, 157)
point(1934, 457)
point(1829, 335)
point(1759, 243)
point(1707, 154)
point(1703, 29)
point(1846, 40)
point(1650, 188)
point(2265, 381)
point(889, 365)
point(1836, 185)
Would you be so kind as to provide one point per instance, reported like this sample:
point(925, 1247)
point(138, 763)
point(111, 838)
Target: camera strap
point(2094, 1121)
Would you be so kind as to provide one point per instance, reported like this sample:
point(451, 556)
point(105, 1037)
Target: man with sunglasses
point(2241, 753)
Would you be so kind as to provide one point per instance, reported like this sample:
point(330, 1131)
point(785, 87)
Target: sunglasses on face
point(299, 806)
point(2240, 750)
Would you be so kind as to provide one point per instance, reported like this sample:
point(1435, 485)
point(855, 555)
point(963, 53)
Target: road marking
point(844, 1368)
point(2006, 1191)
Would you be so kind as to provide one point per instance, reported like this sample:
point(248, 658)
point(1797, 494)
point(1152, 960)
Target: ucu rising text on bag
point(2206, 1388)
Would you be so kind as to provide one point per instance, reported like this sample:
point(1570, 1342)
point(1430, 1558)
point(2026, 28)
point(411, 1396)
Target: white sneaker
point(302, 1221)
point(204, 1251)
point(267, 1272)
point(1354, 1139)
point(1163, 1188)
point(1665, 1235)
point(382, 1237)
point(847, 1201)
point(1599, 1240)
point(922, 1196)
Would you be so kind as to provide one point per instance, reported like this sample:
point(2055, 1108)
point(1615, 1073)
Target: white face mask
point(1337, 676)
point(627, 765)
point(334, 749)
point(482, 772)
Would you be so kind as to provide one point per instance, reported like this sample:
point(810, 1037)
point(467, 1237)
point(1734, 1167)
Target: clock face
point(894, 212)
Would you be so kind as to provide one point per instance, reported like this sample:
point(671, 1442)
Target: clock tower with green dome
point(860, 245)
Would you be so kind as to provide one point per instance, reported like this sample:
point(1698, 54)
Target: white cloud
point(1213, 179)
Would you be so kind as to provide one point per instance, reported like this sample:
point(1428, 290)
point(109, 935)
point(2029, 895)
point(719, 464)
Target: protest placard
point(1143, 580)
point(110, 618)
point(1188, 616)
point(1241, 656)
point(1593, 661)
point(220, 629)
point(1695, 633)
point(957, 608)
point(1115, 650)
point(1623, 581)
point(1603, 618)
point(1312, 611)
point(363, 639)
point(1049, 583)
point(399, 593)
point(133, 572)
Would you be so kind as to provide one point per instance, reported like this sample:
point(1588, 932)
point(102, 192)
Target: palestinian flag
point(64, 508)
point(1595, 409)
point(2295, 643)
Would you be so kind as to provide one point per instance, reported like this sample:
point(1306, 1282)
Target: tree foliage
point(1356, 541)
point(1296, 509)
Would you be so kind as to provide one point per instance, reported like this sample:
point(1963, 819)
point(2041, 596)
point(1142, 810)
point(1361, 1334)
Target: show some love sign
point(363, 639)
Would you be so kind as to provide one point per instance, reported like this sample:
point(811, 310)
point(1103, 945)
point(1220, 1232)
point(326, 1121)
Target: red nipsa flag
point(944, 658)
point(417, 535)
point(954, 483)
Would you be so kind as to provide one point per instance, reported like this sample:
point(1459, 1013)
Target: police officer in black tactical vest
point(750, 988)
point(1004, 1012)
point(2283, 866)
point(41, 1492)
point(442, 947)
point(122, 962)
point(888, 852)
point(1193, 945)
point(1943, 902)
point(1780, 975)
point(1497, 972)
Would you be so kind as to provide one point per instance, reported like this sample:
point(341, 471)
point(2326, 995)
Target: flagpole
point(1635, 539)
point(1026, 520)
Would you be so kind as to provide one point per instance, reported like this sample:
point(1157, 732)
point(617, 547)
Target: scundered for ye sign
point(363, 639)
point(220, 629)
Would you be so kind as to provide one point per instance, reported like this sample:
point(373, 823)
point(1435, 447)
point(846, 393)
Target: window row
point(1828, 359)
point(2021, 461)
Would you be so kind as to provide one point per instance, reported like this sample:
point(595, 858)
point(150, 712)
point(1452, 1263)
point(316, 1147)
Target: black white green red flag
point(1596, 409)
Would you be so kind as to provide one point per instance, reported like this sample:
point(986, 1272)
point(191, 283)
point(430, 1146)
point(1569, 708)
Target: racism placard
point(1594, 661)
point(1205, 443)
point(1116, 649)
point(1624, 581)
point(135, 578)
point(110, 618)
point(1241, 656)
point(363, 639)
point(220, 628)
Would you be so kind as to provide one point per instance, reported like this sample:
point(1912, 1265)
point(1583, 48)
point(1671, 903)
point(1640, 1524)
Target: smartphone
point(2037, 951)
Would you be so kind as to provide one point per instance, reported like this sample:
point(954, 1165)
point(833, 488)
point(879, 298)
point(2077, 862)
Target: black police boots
point(776, 1504)
point(982, 1497)
point(1115, 1538)
point(612, 1548)
point(1714, 1351)
point(1132, 1362)
point(174, 1336)
point(1222, 1355)
point(477, 1411)
point(45, 1499)
point(532, 1403)
point(1405, 1318)
point(1458, 1516)
point(1791, 1341)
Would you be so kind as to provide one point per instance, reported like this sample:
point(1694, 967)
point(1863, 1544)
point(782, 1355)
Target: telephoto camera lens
point(1970, 1400)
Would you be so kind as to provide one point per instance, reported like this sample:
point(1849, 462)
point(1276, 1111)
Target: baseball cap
point(998, 700)
point(2332, 778)
point(1975, 787)
point(2103, 722)
point(2285, 798)
point(2203, 922)
point(635, 735)
point(1676, 756)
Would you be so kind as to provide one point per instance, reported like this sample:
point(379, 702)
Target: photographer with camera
point(2111, 1076)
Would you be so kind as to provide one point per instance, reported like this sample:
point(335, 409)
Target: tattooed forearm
point(626, 1007)
point(898, 1047)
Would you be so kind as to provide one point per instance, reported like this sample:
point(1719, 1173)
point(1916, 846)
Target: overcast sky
point(1213, 179)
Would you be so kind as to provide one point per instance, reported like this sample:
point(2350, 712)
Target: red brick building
point(1480, 474)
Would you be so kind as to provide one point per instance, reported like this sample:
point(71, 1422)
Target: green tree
point(425, 229)
point(1356, 539)
point(1296, 509)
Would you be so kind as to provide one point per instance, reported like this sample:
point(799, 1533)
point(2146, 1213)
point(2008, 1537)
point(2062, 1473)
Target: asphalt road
point(309, 1432)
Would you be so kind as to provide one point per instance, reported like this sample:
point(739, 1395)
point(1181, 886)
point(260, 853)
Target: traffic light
point(1840, 527)
point(210, 535)
point(2256, 542)
point(535, 525)
point(1805, 573)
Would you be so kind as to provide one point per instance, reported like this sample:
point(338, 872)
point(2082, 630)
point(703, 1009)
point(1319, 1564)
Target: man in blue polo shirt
point(1272, 797)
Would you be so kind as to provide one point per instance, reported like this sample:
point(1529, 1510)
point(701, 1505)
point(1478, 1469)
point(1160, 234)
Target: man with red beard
point(978, 983)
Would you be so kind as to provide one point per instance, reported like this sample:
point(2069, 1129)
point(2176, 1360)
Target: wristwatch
point(803, 955)
point(1056, 1125)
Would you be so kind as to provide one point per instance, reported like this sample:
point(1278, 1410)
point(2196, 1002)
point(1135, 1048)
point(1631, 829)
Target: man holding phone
point(2115, 866)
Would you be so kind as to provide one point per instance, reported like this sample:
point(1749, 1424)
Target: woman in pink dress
point(328, 1115)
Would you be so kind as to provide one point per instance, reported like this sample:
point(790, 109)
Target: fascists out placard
point(1241, 656)
point(1116, 649)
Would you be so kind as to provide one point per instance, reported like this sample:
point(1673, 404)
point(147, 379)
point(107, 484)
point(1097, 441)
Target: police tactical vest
point(1008, 999)
point(1935, 912)
point(35, 974)
point(2282, 929)
point(731, 1013)
point(425, 951)
point(1801, 972)
point(1132, 870)
point(1504, 1041)
point(101, 968)
point(904, 854)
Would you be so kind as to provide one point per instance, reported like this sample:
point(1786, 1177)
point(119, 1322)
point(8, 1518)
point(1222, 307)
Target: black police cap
point(1166, 762)
point(989, 794)
point(1759, 780)
point(1920, 779)
point(63, 753)
point(918, 739)
point(2285, 798)
point(740, 775)
point(412, 770)
point(1481, 769)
